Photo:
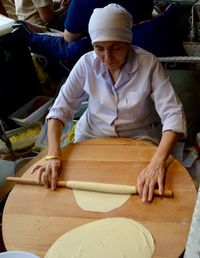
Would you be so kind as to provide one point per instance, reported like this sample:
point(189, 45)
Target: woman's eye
point(117, 48)
point(98, 48)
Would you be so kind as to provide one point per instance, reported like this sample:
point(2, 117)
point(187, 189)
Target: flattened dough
point(101, 202)
point(107, 238)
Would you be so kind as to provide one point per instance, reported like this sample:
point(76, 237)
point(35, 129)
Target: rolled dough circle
point(99, 202)
point(109, 238)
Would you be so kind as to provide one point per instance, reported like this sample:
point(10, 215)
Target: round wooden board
point(35, 217)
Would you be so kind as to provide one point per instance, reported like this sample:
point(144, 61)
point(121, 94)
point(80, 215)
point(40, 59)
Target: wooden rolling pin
point(91, 186)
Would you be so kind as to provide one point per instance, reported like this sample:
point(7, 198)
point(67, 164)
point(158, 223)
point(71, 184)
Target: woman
point(129, 96)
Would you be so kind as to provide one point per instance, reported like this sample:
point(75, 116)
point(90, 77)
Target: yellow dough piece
point(105, 238)
point(101, 187)
point(100, 202)
point(91, 196)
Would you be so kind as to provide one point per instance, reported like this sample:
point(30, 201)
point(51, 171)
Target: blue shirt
point(142, 95)
point(79, 12)
point(159, 35)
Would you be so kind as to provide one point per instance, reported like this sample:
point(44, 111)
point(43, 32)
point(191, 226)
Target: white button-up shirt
point(141, 96)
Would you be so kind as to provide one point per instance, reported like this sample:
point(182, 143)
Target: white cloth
point(26, 10)
point(111, 23)
point(125, 109)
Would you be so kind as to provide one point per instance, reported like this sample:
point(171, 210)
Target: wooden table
point(34, 217)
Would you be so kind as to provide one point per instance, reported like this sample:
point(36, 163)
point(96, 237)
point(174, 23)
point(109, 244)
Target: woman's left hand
point(152, 175)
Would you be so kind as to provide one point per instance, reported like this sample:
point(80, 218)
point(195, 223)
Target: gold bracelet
point(52, 157)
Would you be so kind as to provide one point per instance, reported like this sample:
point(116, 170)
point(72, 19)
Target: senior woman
point(130, 95)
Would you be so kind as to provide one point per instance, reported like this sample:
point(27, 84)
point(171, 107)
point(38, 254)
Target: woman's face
point(112, 53)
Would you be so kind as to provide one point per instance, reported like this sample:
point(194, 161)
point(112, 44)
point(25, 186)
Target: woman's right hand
point(48, 173)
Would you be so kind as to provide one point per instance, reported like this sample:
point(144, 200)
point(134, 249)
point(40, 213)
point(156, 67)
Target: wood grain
point(34, 217)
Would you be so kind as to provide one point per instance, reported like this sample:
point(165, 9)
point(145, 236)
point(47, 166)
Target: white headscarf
point(111, 23)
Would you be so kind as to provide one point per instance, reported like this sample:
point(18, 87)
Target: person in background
point(45, 12)
point(2, 9)
point(76, 24)
point(75, 40)
point(130, 95)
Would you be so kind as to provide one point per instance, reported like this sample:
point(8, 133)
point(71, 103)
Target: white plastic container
point(22, 143)
point(17, 254)
point(33, 111)
point(5, 25)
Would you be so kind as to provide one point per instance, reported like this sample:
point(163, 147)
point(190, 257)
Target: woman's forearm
point(55, 128)
point(165, 146)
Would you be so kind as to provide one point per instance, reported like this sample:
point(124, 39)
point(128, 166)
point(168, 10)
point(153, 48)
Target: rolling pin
point(91, 186)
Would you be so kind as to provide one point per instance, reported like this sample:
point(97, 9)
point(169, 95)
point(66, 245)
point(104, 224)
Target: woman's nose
point(108, 55)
